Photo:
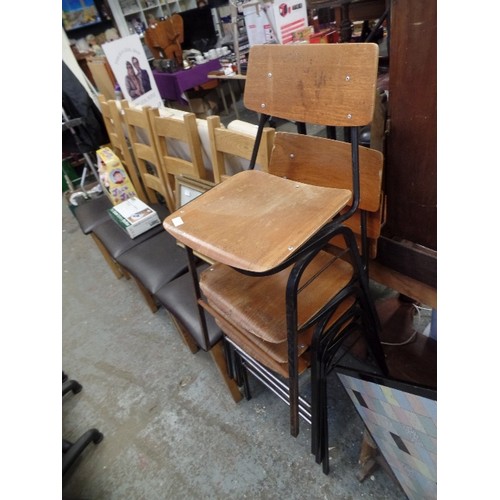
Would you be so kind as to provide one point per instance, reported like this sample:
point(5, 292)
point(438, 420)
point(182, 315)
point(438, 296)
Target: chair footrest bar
point(272, 382)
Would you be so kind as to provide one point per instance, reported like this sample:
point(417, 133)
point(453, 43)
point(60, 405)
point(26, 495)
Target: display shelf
point(129, 12)
point(79, 31)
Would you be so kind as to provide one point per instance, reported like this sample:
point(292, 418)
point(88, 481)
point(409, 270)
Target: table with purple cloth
point(172, 86)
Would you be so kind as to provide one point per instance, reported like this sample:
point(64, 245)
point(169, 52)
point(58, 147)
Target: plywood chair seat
point(254, 206)
point(257, 304)
point(270, 354)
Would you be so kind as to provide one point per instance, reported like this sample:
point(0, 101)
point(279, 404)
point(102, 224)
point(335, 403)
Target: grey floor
point(171, 429)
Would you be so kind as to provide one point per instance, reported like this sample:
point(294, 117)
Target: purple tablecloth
point(173, 85)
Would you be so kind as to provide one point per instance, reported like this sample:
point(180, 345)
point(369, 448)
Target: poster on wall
point(130, 66)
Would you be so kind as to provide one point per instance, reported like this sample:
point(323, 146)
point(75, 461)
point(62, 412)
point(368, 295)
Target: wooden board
point(325, 84)
point(254, 220)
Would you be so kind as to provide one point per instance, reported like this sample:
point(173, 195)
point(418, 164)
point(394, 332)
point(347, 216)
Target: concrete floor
point(171, 429)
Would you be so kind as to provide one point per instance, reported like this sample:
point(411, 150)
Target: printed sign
point(130, 66)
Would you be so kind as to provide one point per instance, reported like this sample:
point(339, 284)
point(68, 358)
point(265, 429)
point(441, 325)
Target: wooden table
point(172, 86)
point(228, 78)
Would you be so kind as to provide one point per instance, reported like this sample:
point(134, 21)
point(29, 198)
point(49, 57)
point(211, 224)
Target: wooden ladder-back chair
point(277, 292)
point(123, 147)
point(115, 126)
point(95, 211)
point(138, 257)
point(179, 296)
point(158, 259)
point(227, 144)
point(184, 130)
point(140, 134)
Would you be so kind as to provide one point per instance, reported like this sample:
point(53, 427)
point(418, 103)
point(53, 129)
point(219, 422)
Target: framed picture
point(188, 188)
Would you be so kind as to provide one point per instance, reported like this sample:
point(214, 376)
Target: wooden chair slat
point(185, 130)
point(229, 142)
point(147, 160)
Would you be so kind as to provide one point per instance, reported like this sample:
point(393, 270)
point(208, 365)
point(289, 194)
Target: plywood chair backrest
point(323, 84)
point(300, 82)
point(229, 142)
point(185, 130)
point(326, 162)
point(114, 123)
point(144, 148)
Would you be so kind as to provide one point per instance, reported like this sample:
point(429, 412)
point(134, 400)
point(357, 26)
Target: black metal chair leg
point(66, 445)
point(242, 376)
point(228, 353)
point(71, 386)
point(325, 458)
point(76, 449)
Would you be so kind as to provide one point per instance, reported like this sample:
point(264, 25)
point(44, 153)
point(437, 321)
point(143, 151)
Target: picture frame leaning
point(189, 188)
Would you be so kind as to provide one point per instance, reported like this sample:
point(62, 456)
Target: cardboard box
point(114, 178)
point(134, 216)
point(274, 22)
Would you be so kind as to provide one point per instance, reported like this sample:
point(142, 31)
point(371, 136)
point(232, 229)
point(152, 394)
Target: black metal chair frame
point(314, 412)
point(362, 313)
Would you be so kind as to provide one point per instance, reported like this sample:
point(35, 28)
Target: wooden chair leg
point(370, 459)
point(125, 273)
point(188, 340)
point(151, 302)
point(367, 457)
point(217, 353)
point(117, 270)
